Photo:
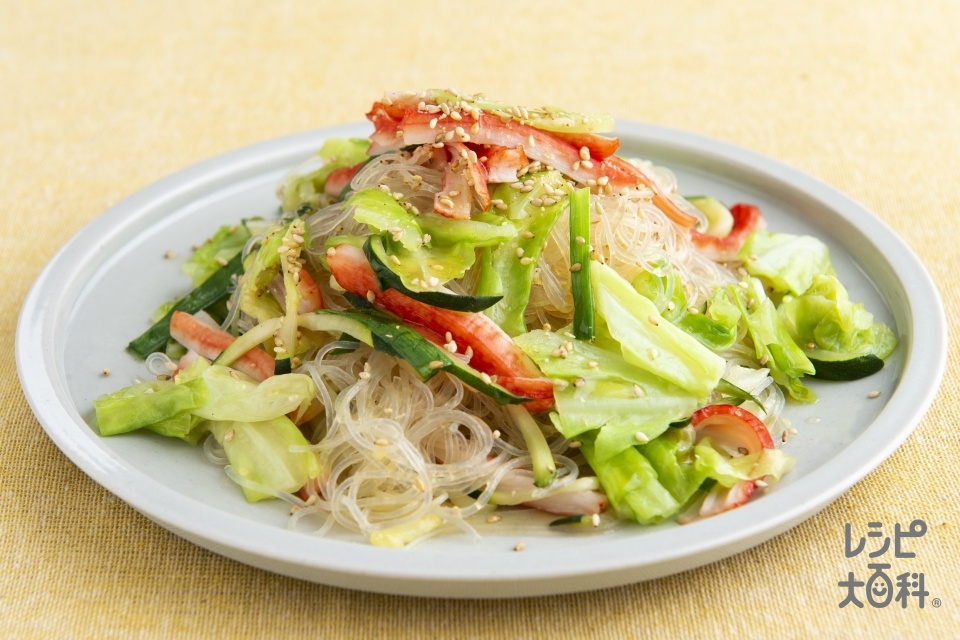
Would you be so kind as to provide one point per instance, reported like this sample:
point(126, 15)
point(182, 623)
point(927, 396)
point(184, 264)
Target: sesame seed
point(579, 382)
point(671, 306)
point(641, 437)
point(574, 444)
point(364, 375)
point(451, 346)
point(434, 281)
point(437, 267)
point(486, 379)
point(873, 394)
point(760, 483)
point(526, 261)
point(654, 320)
point(527, 235)
point(228, 436)
point(371, 296)
point(584, 153)
point(381, 442)
point(221, 261)
point(170, 253)
point(455, 115)
point(576, 165)
point(593, 364)
point(546, 326)
point(526, 189)
point(638, 391)
point(448, 136)
point(654, 354)
point(395, 260)
point(580, 240)
point(586, 164)
point(494, 518)
point(575, 267)
point(520, 546)
point(537, 202)
point(519, 252)
point(435, 364)
point(693, 310)
point(454, 193)
point(332, 251)
point(743, 285)
point(810, 345)
point(433, 123)
point(764, 359)
point(603, 180)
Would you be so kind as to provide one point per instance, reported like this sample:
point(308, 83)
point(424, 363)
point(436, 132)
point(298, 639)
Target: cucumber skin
point(846, 370)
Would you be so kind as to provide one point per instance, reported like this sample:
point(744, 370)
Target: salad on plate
point(482, 311)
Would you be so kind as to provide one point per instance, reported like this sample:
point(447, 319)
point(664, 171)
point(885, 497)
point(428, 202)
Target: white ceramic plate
point(98, 291)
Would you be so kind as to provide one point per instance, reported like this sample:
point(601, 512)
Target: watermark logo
point(884, 586)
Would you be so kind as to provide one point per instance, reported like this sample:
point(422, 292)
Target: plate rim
point(742, 529)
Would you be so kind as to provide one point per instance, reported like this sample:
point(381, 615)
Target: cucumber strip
point(583, 313)
point(727, 388)
point(544, 466)
point(389, 335)
point(215, 289)
point(387, 279)
point(851, 368)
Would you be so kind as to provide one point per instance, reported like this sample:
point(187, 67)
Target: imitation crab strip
point(734, 429)
point(494, 352)
point(746, 219)
point(210, 342)
point(503, 163)
point(580, 163)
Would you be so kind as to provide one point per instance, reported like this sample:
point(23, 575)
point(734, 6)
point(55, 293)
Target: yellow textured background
point(98, 99)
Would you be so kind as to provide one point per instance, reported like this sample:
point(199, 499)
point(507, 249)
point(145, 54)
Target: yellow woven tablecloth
point(99, 99)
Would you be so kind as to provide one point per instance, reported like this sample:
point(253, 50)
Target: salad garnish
point(483, 311)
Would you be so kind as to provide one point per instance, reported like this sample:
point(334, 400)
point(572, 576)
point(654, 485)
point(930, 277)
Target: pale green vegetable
point(825, 317)
point(650, 342)
point(233, 398)
point(272, 453)
point(789, 263)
